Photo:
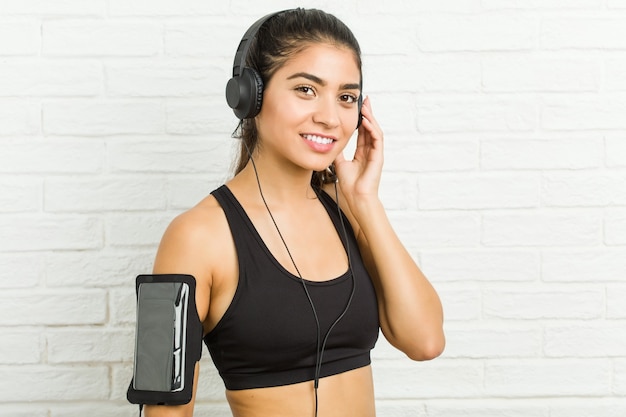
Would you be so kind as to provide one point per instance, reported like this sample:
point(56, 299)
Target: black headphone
point(244, 91)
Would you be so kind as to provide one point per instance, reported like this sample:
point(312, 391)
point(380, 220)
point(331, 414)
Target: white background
point(505, 176)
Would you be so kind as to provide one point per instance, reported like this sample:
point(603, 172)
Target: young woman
point(291, 289)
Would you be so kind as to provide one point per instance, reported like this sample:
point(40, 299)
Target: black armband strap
point(168, 340)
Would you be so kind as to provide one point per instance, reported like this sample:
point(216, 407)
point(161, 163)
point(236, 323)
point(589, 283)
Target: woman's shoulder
point(193, 240)
point(198, 224)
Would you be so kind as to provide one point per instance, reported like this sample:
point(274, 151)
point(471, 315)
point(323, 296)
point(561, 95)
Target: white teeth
point(318, 139)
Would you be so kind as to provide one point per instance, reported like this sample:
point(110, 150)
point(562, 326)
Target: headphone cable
point(320, 346)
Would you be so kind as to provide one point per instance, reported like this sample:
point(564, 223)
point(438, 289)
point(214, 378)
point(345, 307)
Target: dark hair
point(278, 39)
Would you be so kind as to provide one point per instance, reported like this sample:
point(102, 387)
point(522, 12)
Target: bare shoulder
point(191, 243)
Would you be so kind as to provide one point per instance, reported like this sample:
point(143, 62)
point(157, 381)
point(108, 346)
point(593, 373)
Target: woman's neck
point(278, 185)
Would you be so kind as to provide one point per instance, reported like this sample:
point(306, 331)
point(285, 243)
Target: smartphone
point(160, 336)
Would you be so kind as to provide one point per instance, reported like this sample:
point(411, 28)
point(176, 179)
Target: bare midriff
point(348, 394)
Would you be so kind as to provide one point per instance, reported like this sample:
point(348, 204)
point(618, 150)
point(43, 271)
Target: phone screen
point(161, 332)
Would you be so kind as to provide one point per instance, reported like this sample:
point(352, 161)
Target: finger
point(368, 116)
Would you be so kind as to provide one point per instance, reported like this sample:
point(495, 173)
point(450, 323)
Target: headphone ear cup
point(244, 93)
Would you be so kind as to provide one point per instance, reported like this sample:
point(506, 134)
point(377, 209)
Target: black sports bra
point(267, 337)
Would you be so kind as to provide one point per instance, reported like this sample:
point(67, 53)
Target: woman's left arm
point(411, 315)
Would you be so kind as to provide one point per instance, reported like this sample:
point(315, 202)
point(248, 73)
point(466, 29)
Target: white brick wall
point(505, 176)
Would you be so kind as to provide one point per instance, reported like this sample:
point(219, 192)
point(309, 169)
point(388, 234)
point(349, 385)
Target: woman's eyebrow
point(318, 80)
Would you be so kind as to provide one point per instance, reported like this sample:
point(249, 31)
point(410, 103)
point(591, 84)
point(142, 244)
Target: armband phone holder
point(168, 340)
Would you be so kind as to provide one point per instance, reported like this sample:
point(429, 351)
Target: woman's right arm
point(186, 249)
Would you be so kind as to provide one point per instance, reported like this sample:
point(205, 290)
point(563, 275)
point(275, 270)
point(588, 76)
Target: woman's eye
point(348, 98)
point(305, 89)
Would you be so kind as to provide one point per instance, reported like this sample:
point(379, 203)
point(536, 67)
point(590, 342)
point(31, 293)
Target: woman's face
point(310, 107)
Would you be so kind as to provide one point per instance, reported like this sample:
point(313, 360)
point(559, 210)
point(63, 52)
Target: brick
point(593, 340)
point(20, 194)
point(615, 227)
point(163, 79)
point(169, 156)
point(20, 37)
point(478, 191)
point(419, 230)
point(548, 377)
point(409, 7)
point(136, 230)
point(615, 306)
point(544, 303)
point(395, 113)
point(20, 270)
point(53, 155)
point(123, 304)
point(398, 191)
point(541, 4)
point(53, 7)
point(24, 410)
point(460, 304)
point(256, 9)
point(585, 407)
point(584, 189)
point(103, 117)
point(165, 8)
point(36, 233)
point(386, 41)
point(96, 269)
point(402, 408)
point(416, 156)
point(530, 74)
point(542, 228)
point(489, 341)
point(191, 117)
point(93, 345)
point(19, 117)
point(184, 193)
point(582, 33)
point(90, 37)
point(219, 409)
point(541, 154)
point(428, 379)
point(37, 77)
point(190, 38)
point(590, 265)
point(427, 74)
point(479, 33)
point(619, 384)
point(121, 375)
point(471, 114)
point(95, 409)
point(583, 113)
point(615, 74)
point(21, 347)
point(488, 407)
point(82, 307)
point(107, 194)
point(54, 383)
point(481, 265)
point(615, 151)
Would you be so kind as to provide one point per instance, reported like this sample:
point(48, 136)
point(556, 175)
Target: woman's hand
point(360, 177)
point(410, 312)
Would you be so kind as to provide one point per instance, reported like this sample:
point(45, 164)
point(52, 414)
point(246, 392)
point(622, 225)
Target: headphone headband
point(244, 45)
point(244, 91)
